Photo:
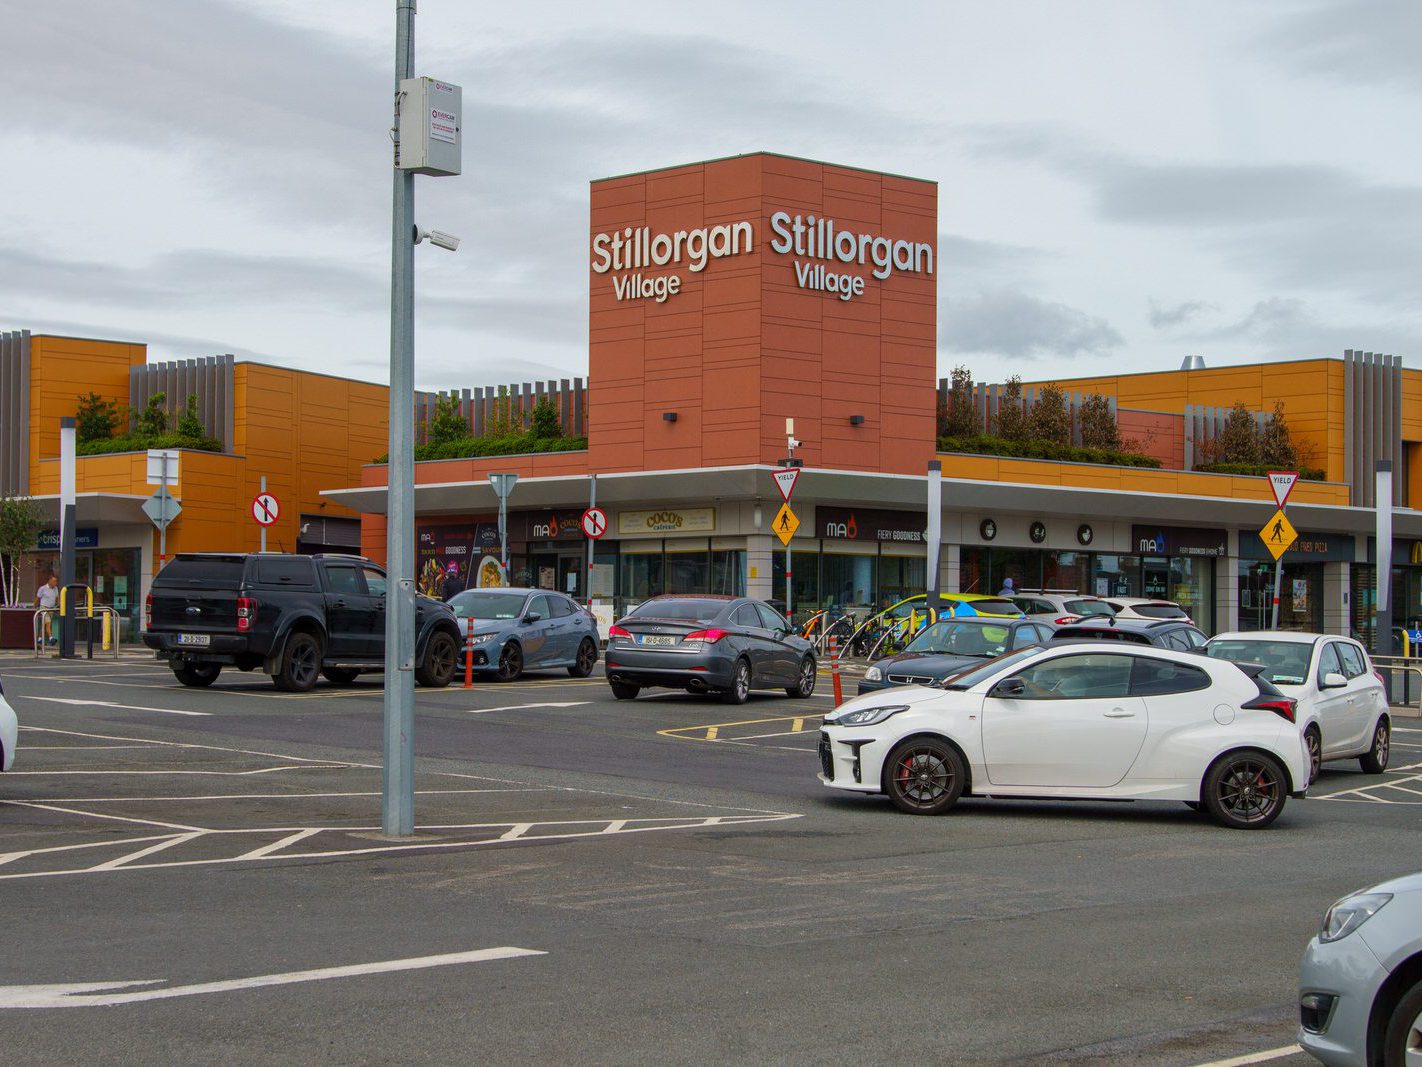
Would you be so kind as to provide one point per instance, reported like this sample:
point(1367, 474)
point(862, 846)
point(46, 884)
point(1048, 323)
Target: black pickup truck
point(294, 617)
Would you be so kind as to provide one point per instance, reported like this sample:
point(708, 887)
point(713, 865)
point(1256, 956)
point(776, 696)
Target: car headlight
point(873, 674)
point(866, 716)
point(1349, 914)
point(480, 639)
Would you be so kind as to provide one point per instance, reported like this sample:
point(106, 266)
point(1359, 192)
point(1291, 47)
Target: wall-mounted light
point(757, 515)
point(670, 416)
point(856, 420)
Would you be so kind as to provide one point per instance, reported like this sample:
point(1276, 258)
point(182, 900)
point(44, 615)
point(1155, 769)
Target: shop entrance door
point(1155, 578)
point(571, 570)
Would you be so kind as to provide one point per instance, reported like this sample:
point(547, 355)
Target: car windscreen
point(1088, 607)
point(1285, 662)
point(1159, 611)
point(991, 669)
point(221, 572)
point(701, 611)
point(961, 639)
point(991, 606)
point(483, 604)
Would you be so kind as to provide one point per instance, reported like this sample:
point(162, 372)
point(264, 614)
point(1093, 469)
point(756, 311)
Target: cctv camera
point(794, 443)
point(436, 237)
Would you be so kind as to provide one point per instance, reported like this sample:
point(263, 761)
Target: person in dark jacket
point(453, 585)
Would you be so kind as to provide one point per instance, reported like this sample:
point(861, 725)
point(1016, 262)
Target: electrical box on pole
point(430, 119)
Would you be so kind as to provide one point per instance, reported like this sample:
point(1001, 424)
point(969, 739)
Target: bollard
point(834, 670)
point(107, 630)
point(469, 654)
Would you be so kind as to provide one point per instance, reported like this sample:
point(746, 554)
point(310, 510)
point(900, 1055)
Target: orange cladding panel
point(64, 368)
point(740, 292)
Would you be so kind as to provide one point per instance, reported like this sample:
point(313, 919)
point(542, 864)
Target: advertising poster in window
point(448, 558)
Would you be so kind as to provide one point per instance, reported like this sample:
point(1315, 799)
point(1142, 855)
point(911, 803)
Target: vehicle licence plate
point(655, 639)
point(197, 640)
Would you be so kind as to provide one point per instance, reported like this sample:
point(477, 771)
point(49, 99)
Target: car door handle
point(1120, 713)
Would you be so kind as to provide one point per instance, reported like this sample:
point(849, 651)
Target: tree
point(1049, 419)
point(1011, 422)
point(1238, 441)
point(190, 422)
point(95, 418)
point(19, 527)
point(961, 417)
point(153, 419)
point(1098, 424)
point(503, 420)
point(546, 420)
point(1276, 447)
point(448, 422)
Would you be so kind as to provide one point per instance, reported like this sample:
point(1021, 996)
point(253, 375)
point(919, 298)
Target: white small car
point(1144, 607)
point(1343, 710)
point(1360, 983)
point(1094, 720)
point(9, 733)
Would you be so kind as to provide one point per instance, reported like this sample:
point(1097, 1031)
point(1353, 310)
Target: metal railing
point(1402, 677)
point(46, 629)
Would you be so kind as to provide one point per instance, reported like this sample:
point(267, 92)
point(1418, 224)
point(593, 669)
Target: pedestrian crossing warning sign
point(1278, 534)
point(785, 524)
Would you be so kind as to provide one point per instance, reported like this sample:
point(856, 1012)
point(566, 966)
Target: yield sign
point(785, 481)
point(1282, 484)
point(1278, 534)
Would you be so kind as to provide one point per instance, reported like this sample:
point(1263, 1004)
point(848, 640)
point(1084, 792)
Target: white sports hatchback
point(1082, 721)
point(9, 733)
point(1343, 709)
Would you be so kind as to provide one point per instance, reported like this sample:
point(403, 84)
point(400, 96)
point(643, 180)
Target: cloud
point(1357, 41)
point(1012, 323)
point(1289, 328)
point(1164, 318)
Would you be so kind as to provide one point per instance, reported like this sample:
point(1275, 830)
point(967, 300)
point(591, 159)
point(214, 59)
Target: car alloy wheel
point(740, 684)
point(924, 776)
point(1375, 760)
point(510, 662)
point(805, 688)
point(1315, 755)
point(586, 658)
point(1246, 790)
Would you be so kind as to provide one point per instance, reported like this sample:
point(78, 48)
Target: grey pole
point(935, 532)
point(1278, 582)
point(504, 535)
point(263, 525)
point(163, 526)
point(592, 503)
point(1382, 576)
point(397, 808)
point(68, 488)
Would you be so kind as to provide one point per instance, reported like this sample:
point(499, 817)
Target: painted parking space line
point(1248, 1058)
point(527, 707)
point(101, 994)
point(718, 731)
point(77, 702)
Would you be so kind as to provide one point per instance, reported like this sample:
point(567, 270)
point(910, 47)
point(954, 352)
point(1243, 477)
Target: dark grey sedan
point(525, 629)
point(704, 644)
point(950, 647)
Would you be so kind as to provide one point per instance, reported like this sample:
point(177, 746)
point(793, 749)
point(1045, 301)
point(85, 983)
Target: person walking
point(47, 596)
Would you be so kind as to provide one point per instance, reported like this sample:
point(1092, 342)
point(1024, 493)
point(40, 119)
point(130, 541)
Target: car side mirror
point(1009, 688)
point(1333, 680)
point(532, 616)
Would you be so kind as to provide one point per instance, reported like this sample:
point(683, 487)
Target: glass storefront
point(1300, 596)
point(642, 569)
point(114, 574)
point(855, 583)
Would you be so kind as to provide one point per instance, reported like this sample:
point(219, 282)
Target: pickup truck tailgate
point(197, 598)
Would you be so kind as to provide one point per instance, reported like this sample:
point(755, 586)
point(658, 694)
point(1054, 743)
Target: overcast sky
point(1121, 183)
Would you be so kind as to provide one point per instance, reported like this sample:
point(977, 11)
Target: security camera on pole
point(426, 134)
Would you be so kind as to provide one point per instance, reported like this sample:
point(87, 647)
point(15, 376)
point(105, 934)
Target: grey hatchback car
point(518, 629)
point(703, 644)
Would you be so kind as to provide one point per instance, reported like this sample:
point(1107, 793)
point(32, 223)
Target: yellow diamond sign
point(785, 524)
point(1278, 534)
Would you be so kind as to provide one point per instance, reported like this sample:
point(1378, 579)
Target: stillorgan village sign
point(820, 248)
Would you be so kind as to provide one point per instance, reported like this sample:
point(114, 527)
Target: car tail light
point(617, 631)
point(1379, 676)
point(1066, 620)
point(246, 613)
point(708, 637)
point(148, 612)
point(1284, 707)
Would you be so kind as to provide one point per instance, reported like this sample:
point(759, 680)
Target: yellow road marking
point(797, 726)
point(711, 731)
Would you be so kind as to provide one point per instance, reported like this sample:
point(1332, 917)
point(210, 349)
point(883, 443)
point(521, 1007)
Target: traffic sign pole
point(264, 525)
point(592, 503)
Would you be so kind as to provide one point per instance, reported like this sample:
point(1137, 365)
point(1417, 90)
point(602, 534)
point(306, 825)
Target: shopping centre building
point(730, 296)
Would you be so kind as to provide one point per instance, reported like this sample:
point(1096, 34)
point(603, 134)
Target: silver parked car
point(1060, 608)
point(1360, 983)
point(526, 629)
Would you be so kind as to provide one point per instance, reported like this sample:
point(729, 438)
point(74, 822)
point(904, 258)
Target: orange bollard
point(469, 655)
point(834, 670)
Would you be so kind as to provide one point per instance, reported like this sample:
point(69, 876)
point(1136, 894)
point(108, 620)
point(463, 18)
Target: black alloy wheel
point(1402, 1041)
point(510, 663)
point(805, 688)
point(924, 776)
point(300, 664)
point(1315, 754)
point(340, 675)
point(586, 659)
point(441, 654)
point(1245, 790)
point(623, 691)
point(740, 684)
point(197, 675)
point(1375, 760)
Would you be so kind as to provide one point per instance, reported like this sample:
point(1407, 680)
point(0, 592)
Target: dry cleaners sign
point(821, 249)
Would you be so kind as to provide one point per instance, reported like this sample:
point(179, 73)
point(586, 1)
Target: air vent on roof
point(1193, 363)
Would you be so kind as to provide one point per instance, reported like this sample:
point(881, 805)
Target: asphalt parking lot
point(613, 882)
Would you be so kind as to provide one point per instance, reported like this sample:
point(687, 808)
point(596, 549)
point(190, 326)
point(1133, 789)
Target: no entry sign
point(594, 522)
point(265, 508)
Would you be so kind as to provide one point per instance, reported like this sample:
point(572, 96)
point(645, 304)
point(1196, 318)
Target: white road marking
point(114, 864)
point(275, 846)
point(526, 707)
point(109, 704)
point(1255, 1057)
point(92, 994)
point(99, 815)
